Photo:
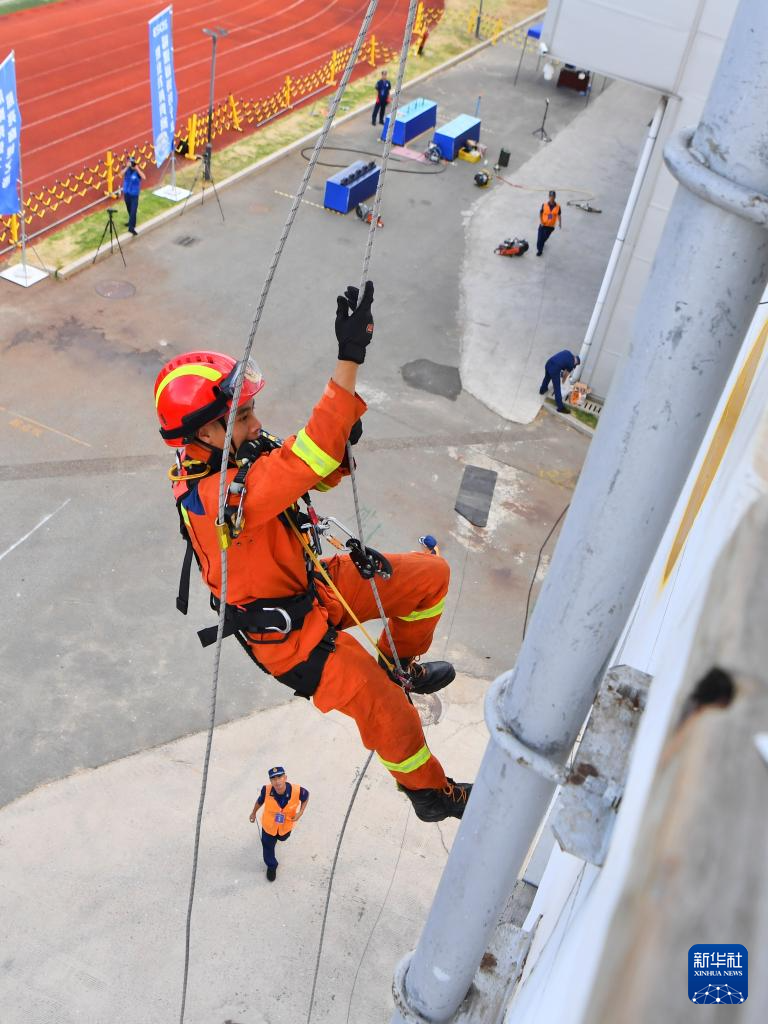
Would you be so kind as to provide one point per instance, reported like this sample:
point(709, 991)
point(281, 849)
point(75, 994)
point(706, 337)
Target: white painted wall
point(575, 904)
point(709, 23)
point(642, 41)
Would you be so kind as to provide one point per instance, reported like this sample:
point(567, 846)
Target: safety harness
point(280, 615)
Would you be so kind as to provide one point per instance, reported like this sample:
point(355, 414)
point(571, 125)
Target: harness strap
point(182, 598)
point(279, 615)
point(304, 678)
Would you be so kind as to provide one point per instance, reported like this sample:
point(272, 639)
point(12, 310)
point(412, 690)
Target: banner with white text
point(162, 83)
point(10, 138)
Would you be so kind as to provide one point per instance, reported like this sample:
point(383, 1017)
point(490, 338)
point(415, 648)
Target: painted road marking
point(42, 522)
point(28, 425)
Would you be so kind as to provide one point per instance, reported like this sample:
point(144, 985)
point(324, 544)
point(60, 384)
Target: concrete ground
point(105, 689)
point(520, 311)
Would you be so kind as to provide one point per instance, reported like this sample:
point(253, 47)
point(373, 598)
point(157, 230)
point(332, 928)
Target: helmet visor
point(253, 380)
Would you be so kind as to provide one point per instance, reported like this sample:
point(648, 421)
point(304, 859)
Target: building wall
point(575, 912)
point(690, 84)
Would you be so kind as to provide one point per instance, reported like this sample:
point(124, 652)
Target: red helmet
point(197, 388)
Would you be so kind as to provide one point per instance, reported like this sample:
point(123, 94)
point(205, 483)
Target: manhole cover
point(115, 289)
point(185, 240)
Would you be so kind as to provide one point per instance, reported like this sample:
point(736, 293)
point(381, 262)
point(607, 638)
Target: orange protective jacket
point(266, 560)
point(277, 820)
point(549, 215)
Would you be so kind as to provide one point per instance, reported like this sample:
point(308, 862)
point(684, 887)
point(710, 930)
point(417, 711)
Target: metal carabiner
point(277, 629)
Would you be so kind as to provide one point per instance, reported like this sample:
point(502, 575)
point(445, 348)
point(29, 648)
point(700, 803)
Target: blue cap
point(275, 772)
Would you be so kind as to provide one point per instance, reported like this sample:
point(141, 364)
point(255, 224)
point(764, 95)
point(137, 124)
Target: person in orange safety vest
point(284, 803)
point(287, 608)
point(549, 215)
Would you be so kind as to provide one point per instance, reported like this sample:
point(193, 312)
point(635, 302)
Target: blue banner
point(162, 83)
point(10, 138)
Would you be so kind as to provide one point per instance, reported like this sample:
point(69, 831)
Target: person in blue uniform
point(383, 87)
point(284, 804)
point(132, 180)
point(556, 368)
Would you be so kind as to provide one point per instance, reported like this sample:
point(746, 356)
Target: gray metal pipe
point(709, 274)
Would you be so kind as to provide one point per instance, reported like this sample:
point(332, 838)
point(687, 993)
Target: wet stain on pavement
point(436, 378)
point(74, 336)
point(25, 336)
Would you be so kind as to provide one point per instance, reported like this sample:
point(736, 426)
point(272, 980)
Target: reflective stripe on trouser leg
point(410, 764)
point(413, 599)
point(354, 684)
point(424, 613)
point(413, 627)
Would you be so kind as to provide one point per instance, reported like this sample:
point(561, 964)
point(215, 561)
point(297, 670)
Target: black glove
point(356, 432)
point(354, 324)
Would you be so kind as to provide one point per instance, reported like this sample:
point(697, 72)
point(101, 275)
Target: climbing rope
point(364, 277)
point(330, 883)
point(352, 475)
point(351, 62)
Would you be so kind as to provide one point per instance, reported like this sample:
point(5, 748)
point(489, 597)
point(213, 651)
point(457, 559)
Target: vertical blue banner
point(162, 83)
point(10, 138)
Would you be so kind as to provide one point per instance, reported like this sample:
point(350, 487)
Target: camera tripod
point(205, 167)
point(110, 227)
point(541, 132)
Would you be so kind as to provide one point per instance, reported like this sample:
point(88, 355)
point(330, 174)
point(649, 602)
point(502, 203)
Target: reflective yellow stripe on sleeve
point(318, 461)
point(184, 514)
point(410, 764)
point(424, 613)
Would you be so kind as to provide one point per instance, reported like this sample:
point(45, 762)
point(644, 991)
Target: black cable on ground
point(538, 563)
point(330, 883)
point(374, 153)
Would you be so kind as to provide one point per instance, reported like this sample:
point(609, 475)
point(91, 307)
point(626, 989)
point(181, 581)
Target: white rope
point(364, 277)
point(352, 60)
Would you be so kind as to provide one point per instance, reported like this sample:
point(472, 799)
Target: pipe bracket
point(512, 745)
point(711, 186)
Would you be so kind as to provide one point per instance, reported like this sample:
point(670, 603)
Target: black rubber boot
point(427, 678)
point(439, 804)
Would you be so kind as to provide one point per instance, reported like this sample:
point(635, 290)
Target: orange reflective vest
point(277, 820)
point(549, 215)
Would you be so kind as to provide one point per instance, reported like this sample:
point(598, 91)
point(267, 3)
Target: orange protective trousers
point(352, 681)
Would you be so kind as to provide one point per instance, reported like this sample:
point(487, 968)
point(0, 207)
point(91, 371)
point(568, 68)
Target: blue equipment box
point(345, 189)
point(412, 119)
point(452, 136)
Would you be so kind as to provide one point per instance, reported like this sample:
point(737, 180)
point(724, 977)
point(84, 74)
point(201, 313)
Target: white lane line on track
point(42, 522)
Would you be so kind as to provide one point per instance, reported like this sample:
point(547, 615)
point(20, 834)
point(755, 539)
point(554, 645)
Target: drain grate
point(186, 240)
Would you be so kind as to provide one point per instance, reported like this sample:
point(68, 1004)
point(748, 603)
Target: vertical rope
point(223, 475)
point(412, 9)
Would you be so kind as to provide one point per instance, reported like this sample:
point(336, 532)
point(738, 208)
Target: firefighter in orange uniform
point(280, 606)
point(284, 803)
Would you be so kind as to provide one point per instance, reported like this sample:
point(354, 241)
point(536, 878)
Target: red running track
point(82, 69)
